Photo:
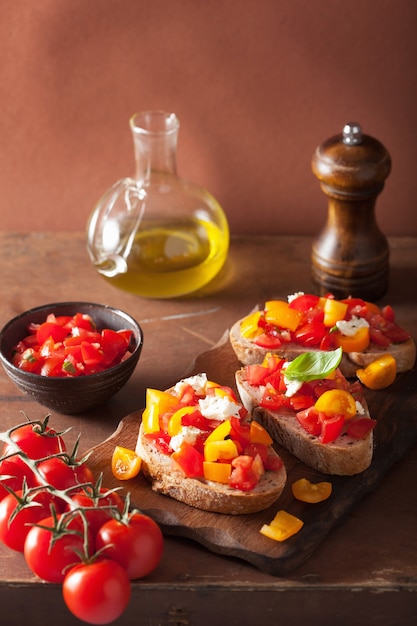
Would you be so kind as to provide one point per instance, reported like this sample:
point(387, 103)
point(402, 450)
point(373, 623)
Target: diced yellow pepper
point(334, 310)
point(357, 343)
point(219, 472)
point(220, 432)
point(210, 384)
point(336, 401)
point(157, 403)
point(249, 325)
point(215, 450)
point(258, 434)
point(305, 491)
point(283, 526)
point(174, 424)
point(380, 373)
point(278, 312)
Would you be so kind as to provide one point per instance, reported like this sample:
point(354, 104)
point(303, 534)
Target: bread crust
point(249, 353)
point(206, 495)
point(345, 456)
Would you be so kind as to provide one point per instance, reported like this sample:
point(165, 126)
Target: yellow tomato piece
point(249, 325)
point(225, 449)
point(306, 491)
point(334, 310)
point(279, 313)
point(380, 373)
point(174, 423)
point(258, 434)
point(157, 403)
point(125, 463)
point(283, 526)
point(357, 343)
point(219, 472)
point(337, 401)
point(220, 432)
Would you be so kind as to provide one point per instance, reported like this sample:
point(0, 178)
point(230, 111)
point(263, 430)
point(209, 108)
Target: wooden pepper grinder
point(351, 255)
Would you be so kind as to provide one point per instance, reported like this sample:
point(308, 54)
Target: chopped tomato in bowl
point(71, 356)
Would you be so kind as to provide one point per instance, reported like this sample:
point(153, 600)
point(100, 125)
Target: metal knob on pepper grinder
point(350, 257)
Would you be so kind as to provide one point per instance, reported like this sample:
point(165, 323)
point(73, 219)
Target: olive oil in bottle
point(156, 235)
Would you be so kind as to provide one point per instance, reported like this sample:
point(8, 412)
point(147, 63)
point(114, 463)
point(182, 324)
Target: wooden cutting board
point(396, 432)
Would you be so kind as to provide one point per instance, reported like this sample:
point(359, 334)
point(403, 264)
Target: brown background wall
point(257, 85)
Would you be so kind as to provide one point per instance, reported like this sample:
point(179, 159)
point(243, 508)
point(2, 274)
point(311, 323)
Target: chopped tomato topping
point(70, 346)
point(310, 321)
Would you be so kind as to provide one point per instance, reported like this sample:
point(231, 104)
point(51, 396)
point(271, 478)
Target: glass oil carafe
point(155, 234)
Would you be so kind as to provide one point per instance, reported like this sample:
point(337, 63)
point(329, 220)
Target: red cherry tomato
point(97, 592)
point(62, 473)
point(36, 440)
point(50, 550)
point(13, 471)
point(96, 512)
point(136, 544)
point(17, 515)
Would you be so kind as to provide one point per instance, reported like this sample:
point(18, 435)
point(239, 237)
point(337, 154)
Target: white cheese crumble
point(197, 382)
point(359, 408)
point(294, 296)
point(351, 327)
point(188, 434)
point(292, 387)
point(218, 408)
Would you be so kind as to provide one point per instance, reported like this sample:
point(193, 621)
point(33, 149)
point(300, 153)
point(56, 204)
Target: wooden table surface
point(366, 569)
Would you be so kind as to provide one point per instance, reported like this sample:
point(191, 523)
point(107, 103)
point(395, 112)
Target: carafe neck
point(155, 136)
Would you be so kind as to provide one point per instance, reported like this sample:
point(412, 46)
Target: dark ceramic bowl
point(81, 393)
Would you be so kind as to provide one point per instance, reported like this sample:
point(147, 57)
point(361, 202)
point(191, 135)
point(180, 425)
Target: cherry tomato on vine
point(37, 440)
point(26, 512)
point(136, 543)
point(93, 502)
point(54, 546)
point(97, 592)
point(13, 471)
point(62, 473)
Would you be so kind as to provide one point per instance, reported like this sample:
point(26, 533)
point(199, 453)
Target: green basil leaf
point(313, 365)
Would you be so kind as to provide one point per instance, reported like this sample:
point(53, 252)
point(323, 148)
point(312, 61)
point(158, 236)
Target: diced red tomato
point(360, 427)
point(269, 342)
point(244, 475)
point(273, 463)
point(388, 313)
point(49, 329)
point(256, 374)
point(309, 420)
point(331, 427)
point(304, 302)
point(274, 400)
point(396, 334)
point(161, 441)
point(254, 449)
point(300, 402)
point(378, 337)
point(310, 333)
point(91, 353)
point(190, 460)
point(240, 432)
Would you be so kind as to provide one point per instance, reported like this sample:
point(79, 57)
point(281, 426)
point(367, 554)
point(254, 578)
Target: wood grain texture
point(396, 412)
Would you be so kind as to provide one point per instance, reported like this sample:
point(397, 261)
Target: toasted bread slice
point(345, 456)
point(249, 353)
point(211, 496)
